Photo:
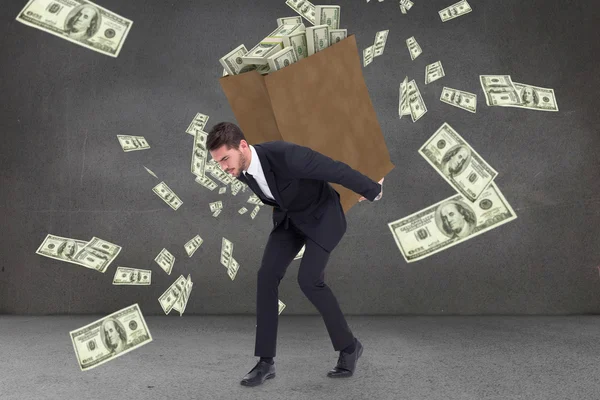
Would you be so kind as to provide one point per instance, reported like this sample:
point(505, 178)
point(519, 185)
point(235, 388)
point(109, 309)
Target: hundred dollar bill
point(300, 253)
point(193, 244)
point(232, 61)
point(62, 249)
point(457, 162)
point(433, 72)
point(254, 199)
point(233, 268)
point(170, 297)
point(328, 15)
point(534, 98)
point(282, 59)
point(150, 172)
point(281, 306)
point(80, 22)
point(188, 292)
point(254, 212)
point(132, 276)
point(132, 143)
point(289, 20)
point(317, 38)
point(298, 42)
point(305, 8)
point(243, 210)
point(182, 300)
point(455, 10)
point(278, 35)
point(213, 168)
point(110, 337)
point(405, 6)
point(168, 196)
point(206, 182)
point(368, 55)
point(226, 252)
point(236, 186)
point(499, 90)
point(216, 205)
point(259, 53)
point(165, 260)
point(198, 123)
point(415, 101)
point(222, 190)
point(199, 153)
point(413, 47)
point(379, 43)
point(457, 98)
point(97, 254)
point(336, 35)
point(450, 222)
point(403, 106)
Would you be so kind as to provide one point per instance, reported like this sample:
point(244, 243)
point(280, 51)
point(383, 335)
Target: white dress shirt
point(255, 169)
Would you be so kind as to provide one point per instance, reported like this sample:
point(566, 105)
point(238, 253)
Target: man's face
point(452, 217)
point(231, 161)
point(456, 160)
point(528, 95)
point(112, 335)
point(83, 19)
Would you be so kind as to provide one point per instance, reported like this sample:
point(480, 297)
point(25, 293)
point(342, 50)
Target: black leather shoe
point(346, 363)
point(257, 375)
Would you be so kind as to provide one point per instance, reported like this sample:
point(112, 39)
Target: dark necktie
point(253, 184)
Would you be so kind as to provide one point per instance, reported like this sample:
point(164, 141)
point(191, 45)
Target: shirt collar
point(254, 167)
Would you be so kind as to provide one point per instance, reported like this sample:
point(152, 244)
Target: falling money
point(413, 47)
point(379, 44)
point(171, 297)
point(193, 245)
point(80, 22)
point(405, 6)
point(110, 337)
point(433, 72)
point(415, 101)
point(197, 125)
point(62, 249)
point(450, 222)
point(150, 172)
point(457, 98)
point(168, 196)
point(455, 10)
point(132, 276)
point(216, 207)
point(165, 260)
point(97, 254)
point(457, 162)
point(132, 143)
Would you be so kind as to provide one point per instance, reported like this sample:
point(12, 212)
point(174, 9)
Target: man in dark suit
point(306, 211)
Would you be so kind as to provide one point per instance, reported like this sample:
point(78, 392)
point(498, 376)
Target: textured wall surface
point(63, 172)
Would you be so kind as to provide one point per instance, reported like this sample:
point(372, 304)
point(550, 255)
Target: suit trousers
point(283, 245)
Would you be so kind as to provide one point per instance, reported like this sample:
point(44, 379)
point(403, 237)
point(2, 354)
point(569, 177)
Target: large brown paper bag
point(321, 102)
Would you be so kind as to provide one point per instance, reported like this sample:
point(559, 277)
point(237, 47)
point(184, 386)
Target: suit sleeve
point(305, 163)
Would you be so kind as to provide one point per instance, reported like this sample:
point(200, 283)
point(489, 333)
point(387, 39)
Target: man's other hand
point(379, 196)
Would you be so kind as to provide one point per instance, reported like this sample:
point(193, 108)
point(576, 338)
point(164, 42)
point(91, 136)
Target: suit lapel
point(269, 175)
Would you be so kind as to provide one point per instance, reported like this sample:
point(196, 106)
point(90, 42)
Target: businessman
point(294, 180)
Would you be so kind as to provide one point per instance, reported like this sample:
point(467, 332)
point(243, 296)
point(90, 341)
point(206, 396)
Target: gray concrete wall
point(63, 172)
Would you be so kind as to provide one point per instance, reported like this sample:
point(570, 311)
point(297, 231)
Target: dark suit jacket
point(298, 179)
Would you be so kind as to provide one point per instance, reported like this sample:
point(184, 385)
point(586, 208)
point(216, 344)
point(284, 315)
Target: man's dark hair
point(224, 133)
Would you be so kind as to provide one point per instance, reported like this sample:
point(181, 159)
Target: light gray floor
point(205, 357)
